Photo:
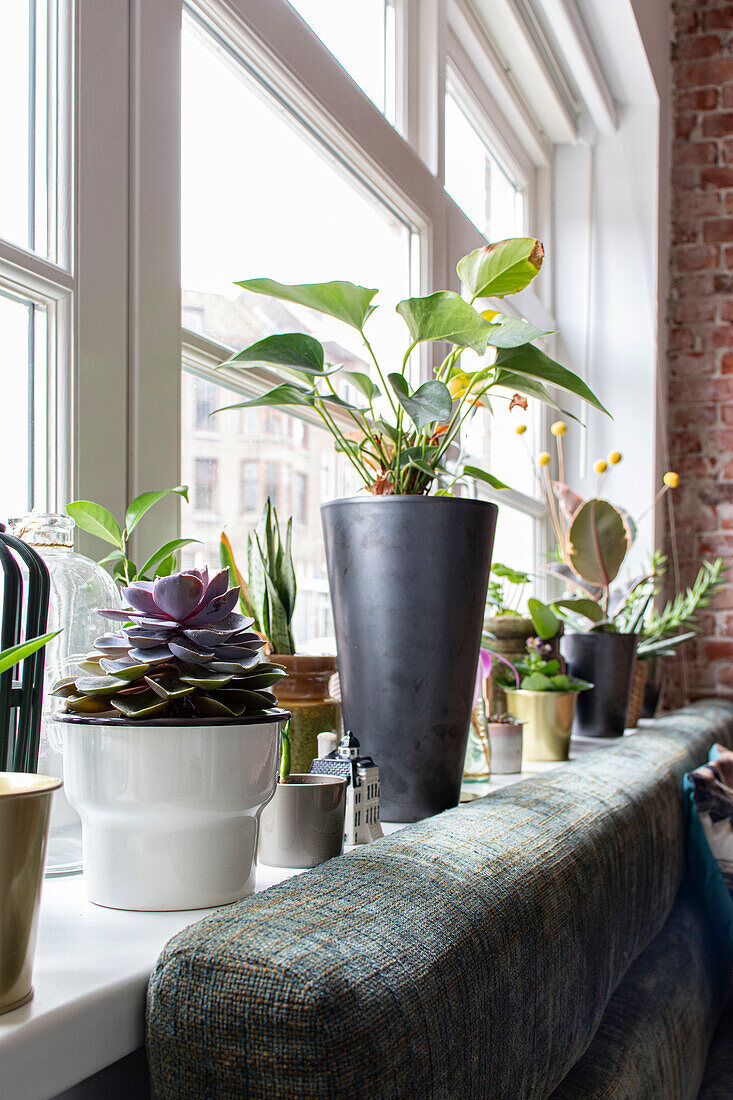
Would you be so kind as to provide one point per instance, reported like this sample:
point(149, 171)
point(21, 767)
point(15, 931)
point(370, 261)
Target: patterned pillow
point(710, 836)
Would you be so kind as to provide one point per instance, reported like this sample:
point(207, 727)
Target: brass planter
point(25, 808)
point(304, 692)
point(548, 721)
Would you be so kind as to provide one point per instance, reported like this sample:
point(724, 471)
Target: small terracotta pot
point(303, 825)
point(305, 694)
point(506, 747)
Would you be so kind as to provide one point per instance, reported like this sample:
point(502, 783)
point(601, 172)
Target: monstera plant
point(402, 434)
point(182, 651)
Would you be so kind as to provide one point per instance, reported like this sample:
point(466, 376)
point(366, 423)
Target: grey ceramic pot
point(606, 660)
point(303, 824)
point(408, 578)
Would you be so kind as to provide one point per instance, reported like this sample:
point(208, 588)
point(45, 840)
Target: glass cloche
point(78, 587)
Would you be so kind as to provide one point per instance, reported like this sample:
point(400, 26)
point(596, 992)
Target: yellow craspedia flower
point(600, 466)
point(544, 459)
point(671, 479)
point(520, 429)
point(559, 427)
point(615, 457)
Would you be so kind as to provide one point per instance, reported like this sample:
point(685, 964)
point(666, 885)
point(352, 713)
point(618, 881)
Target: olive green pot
point(304, 693)
point(548, 722)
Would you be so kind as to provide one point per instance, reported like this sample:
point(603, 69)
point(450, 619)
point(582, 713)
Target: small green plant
point(537, 673)
point(98, 521)
point(499, 599)
point(660, 631)
point(268, 594)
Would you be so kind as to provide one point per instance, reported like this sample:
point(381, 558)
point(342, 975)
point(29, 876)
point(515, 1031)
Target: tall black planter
point(607, 660)
point(408, 577)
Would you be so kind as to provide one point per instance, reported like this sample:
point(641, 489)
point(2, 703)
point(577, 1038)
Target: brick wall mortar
point(700, 322)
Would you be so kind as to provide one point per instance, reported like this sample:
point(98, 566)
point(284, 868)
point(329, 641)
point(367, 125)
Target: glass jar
point(78, 588)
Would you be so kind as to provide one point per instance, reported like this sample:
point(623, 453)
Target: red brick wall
point(700, 351)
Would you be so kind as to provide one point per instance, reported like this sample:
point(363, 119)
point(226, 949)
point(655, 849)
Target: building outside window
point(206, 484)
point(206, 403)
point(250, 486)
point(300, 498)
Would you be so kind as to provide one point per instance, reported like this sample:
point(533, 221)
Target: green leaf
point(96, 520)
point(142, 504)
point(363, 383)
point(269, 676)
point(531, 387)
point(511, 332)
point(537, 681)
point(505, 267)
point(166, 566)
point(210, 706)
point(544, 619)
point(290, 349)
point(445, 316)
point(598, 542)
point(169, 686)
point(122, 671)
point(257, 587)
point(506, 573)
point(528, 359)
point(387, 429)
point(205, 678)
point(143, 704)
point(342, 300)
point(226, 557)
point(423, 467)
point(482, 475)
point(589, 609)
point(87, 704)
point(429, 403)
point(286, 583)
point(285, 394)
point(9, 658)
point(164, 551)
point(100, 685)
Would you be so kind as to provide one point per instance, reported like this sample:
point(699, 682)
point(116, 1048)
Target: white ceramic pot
point(505, 739)
point(170, 813)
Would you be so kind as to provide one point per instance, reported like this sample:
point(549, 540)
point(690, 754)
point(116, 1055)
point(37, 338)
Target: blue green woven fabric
point(717, 1082)
point(468, 956)
point(653, 1039)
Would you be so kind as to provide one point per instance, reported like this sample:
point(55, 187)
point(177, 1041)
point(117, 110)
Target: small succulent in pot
point(181, 652)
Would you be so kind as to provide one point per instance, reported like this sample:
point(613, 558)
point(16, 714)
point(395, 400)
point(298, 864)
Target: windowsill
point(90, 977)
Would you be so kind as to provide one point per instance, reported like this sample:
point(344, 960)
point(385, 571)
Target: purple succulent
point(182, 650)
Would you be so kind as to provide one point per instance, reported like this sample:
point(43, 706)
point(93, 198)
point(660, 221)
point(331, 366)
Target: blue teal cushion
point(471, 955)
point(709, 807)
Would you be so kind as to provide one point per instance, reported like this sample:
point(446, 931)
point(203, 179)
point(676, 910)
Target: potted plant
point(171, 738)
point(303, 825)
point(268, 596)
point(409, 561)
point(544, 701)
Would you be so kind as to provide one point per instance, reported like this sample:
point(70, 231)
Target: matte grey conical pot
point(408, 578)
point(607, 660)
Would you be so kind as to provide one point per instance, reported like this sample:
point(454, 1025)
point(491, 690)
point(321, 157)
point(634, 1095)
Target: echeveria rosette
point(182, 652)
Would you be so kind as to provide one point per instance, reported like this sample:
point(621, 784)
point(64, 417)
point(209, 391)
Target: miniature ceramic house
point(362, 792)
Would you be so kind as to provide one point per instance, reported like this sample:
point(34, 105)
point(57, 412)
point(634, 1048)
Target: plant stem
point(330, 423)
point(382, 379)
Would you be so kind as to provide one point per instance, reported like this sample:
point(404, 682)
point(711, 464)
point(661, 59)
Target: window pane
point(475, 178)
point(514, 544)
point(23, 436)
point(23, 130)
point(205, 404)
point(361, 36)
point(205, 484)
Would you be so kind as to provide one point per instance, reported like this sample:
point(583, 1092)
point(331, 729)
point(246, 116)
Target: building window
point(250, 486)
point(23, 435)
point(272, 482)
point(205, 484)
point(300, 498)
point(206, 401)
point(273, 422)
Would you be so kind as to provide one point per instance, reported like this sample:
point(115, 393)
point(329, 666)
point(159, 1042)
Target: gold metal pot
point(548, 721)
point(25, 808)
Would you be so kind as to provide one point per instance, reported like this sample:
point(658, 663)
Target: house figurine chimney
point(362, 785)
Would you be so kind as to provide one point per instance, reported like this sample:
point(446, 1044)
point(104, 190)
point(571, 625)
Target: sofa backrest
point(470, 955)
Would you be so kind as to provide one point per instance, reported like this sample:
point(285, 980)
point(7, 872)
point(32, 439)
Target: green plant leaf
point(205, 678)
point(387, 429)
point(429, 403)
point(544, 619)
point(166, 566)
point(257, 587)
point(143, 704)
point(514, 576)
point(536, 681)
point(226, 557)
point(169, 686)
point(598, 542)
point(10, 657)
point(142, 504)
point(342, 300)
point(531, 387)
point(528, 359)
point(482, 475)
point(286, 583)
point(162, 552)
point(423, 467)
point(363, 383)
point(511, 332)
point(96, 520)
point(100, 685)
point(285, 394)
point(122, 671)
point(505, 267)
point(445, 316)
point(289, 349)
point(589, 609)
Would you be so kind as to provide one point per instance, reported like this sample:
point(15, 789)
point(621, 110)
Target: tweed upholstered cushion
point(653, 1040)
point(471, 955)
point(716, 1084)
